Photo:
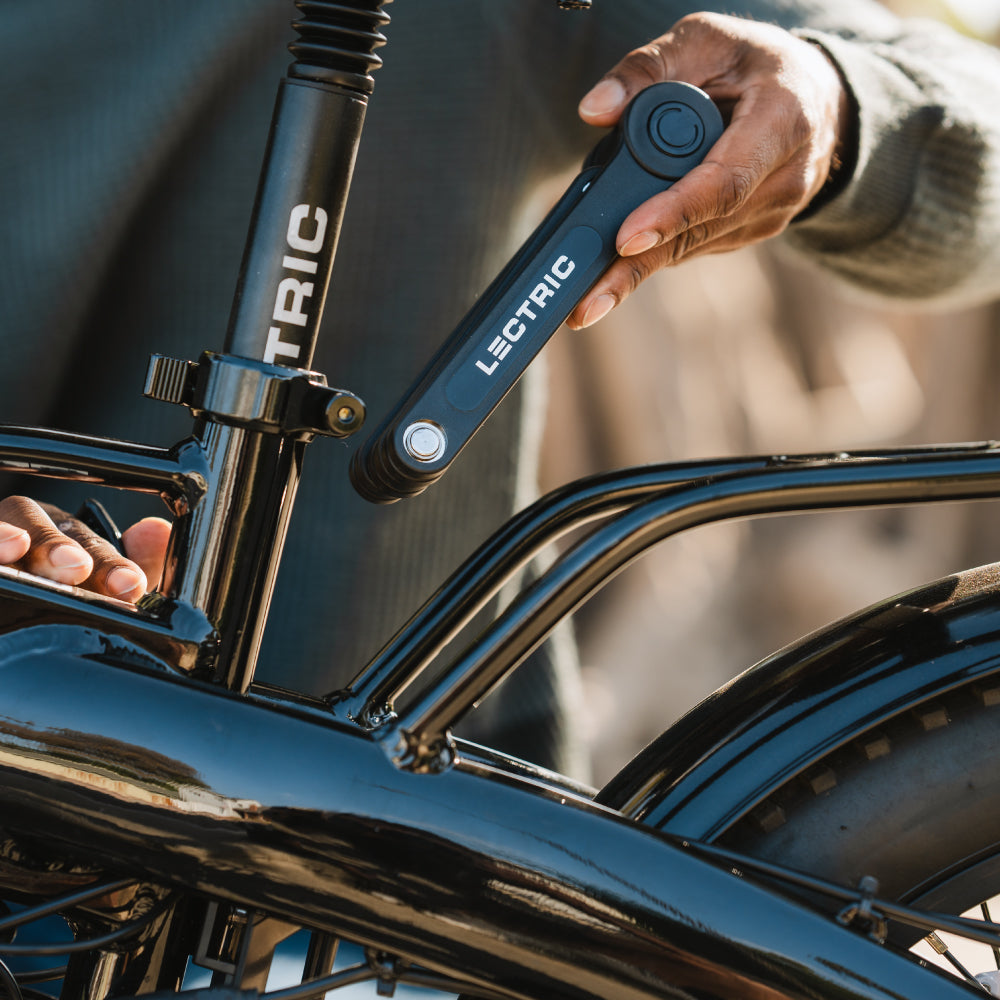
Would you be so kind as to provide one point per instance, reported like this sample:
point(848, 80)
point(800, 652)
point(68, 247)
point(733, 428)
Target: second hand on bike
point(665, 133)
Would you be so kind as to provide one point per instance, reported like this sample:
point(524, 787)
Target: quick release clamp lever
point(665, 132)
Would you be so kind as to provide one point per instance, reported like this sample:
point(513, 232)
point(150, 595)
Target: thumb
point(145, 543)
point(604, 103)
point(698, 49)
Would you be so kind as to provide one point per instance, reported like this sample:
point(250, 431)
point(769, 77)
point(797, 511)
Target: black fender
point(731, 752)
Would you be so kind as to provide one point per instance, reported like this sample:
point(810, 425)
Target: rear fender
point(772, 722)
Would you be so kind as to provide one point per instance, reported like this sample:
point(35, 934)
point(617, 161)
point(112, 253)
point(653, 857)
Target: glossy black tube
point(177, 635)
point(223, 554)
point(508, 550)
point(511, 547)
point(178, 472)
point(792, 484)
point(472, 872)
point(296, 223)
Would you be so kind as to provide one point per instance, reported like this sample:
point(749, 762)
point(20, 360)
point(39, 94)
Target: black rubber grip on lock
point(665, 132)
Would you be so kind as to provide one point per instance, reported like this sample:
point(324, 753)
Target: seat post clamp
point(254, 395)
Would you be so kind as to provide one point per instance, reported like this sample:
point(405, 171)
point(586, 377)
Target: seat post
point(305, 179)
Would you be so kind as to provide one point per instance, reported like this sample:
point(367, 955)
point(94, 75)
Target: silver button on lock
point(425, 441)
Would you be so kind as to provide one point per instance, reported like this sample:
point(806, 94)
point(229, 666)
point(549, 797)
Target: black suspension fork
point(257, 403)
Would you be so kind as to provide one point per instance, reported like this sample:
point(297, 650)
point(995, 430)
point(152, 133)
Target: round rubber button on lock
point(676, 129)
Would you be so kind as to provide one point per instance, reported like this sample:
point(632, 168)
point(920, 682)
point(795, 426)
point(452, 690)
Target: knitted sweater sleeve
point(919, 218)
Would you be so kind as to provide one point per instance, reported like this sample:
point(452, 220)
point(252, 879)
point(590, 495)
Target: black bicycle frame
point(277, 807)
point(134, 737)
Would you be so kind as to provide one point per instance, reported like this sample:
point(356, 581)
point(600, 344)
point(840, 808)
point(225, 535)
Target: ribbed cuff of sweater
point(900, 222)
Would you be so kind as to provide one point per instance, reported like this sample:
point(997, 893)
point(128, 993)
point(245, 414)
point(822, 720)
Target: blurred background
point(754, 353)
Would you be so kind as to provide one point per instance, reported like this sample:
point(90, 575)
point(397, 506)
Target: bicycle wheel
point(915, 803)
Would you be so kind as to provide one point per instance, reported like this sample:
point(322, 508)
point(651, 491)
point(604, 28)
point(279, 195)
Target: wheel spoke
point(985, 907)
point(935, 941)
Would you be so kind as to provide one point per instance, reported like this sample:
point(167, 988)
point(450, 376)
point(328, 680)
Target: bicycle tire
point(914, 803)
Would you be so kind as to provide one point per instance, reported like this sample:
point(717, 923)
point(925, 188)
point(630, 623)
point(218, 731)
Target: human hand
point(788, 113)
point(43, 540)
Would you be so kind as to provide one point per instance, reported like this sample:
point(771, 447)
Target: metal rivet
point(424, 441)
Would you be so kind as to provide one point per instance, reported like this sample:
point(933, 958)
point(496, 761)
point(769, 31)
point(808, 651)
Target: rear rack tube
point(418, 736)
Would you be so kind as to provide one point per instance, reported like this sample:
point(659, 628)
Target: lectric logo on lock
point(515, 327)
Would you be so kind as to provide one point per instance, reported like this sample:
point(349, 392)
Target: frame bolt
point(344, 414)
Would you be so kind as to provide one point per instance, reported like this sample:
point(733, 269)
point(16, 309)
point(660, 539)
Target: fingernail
point(597, 309)
point(67, 557)
point(124, 581)
point(639, 244)
point(607, 96)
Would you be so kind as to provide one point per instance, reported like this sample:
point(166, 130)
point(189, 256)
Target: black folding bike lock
point(665, 132)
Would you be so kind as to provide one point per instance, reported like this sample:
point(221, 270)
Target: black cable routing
point(337, 41)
